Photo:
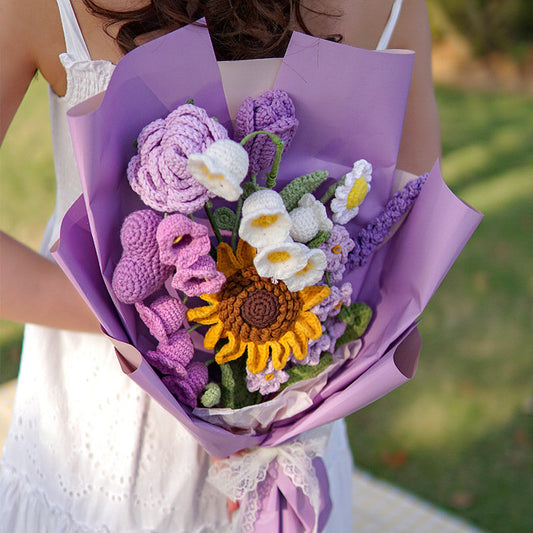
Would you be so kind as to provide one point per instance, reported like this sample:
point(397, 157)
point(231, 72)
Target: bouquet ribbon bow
point(290, 478)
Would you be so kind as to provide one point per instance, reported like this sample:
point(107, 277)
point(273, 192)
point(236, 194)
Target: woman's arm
point(32, 289)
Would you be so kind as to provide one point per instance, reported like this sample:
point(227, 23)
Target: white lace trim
point(85, 78)
point(239, 476)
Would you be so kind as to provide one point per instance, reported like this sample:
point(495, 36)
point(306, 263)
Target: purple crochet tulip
point(274, 112)
point(159, 173)
point(331, 306)
point(200, 278)
point(173, 357)
point(163, 317)
point(337, 248)
point(139, 273)
point(181, 241)
point(187, 389)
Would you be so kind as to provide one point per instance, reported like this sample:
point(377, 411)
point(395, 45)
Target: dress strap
point(389, 27)
point(74, 40)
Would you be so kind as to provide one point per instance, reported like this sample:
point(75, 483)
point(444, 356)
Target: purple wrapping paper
point(350, 104)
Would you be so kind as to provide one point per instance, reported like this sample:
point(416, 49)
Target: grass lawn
point(461, 433)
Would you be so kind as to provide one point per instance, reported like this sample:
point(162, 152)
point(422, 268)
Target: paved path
point(378, 507)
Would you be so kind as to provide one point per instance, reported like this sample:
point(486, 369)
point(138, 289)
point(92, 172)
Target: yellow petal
point(297, 343)
point(245, 253)
point(206, 314)
point(213, 336)
point(257, 357)
point(312, 296)
point(227, 263)
point(232, 350)
point(310, 325)
point(280, 354)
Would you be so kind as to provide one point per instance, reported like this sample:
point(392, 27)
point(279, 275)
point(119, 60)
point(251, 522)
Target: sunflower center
point(358, 193)
point(260, 309)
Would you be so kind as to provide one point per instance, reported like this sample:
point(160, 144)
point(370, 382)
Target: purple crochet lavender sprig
point(371, 236)
point(273, 111)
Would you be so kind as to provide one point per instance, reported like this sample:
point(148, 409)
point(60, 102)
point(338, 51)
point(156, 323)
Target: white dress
point(87, 450)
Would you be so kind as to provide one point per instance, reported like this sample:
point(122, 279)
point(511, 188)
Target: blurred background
point(460, 435)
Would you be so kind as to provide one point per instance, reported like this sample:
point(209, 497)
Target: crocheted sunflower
point(257, 317)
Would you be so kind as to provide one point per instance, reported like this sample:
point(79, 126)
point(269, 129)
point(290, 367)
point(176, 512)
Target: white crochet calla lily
point(221, 168)
point(350, 195)
point(308, 219)
point(265, 219)
point(311, 273)
point(280, 260)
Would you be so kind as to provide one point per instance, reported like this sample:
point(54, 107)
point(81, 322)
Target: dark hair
point(239, 29)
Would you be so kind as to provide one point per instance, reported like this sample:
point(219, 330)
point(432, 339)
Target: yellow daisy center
point(358, 193)
point(268, 377)
point(264, 221)
point(337, 249)
point(278, 257)
point(305, 269)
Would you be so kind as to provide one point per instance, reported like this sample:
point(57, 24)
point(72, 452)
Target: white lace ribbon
point(239, 476)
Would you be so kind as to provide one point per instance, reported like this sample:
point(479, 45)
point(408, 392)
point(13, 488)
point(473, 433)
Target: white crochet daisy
point(311, 273)
point(308, 219)
point(265, 219)
point(280, 260)
point(221, 168)
point(350, 195)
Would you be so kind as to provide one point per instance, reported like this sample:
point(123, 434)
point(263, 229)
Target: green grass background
point(461, 433)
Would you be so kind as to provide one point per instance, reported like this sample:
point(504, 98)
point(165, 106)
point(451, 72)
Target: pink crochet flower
point(182, 241)
point(139, 272)
point(187, 390)
point(200, 278)
point(172, 358)
point(159, 172)
point(273, 111)
point(163, 317)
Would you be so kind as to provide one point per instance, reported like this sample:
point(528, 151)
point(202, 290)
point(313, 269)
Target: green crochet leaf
point(211, 395)
point(301, 372)
point(248, 188)
point(357, 317)
point(234, 393)
point(292, 192)
point(224, 218)
point(321, 237)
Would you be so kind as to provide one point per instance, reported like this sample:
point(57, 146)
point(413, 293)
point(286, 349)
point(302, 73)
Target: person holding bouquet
point(87, 450)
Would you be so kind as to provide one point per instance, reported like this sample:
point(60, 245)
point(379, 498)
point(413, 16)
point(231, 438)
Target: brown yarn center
point(260, 309)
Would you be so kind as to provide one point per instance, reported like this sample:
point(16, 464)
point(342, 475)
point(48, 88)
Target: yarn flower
point(172, 357)
point(159, 172)
point(256, 316)
point(163, 317)
point(182, 241)
point(350, 194)
point(331, 305)
point(273, 111)
point(187, 389)
point(221, 168)
point(139, 272)
point(265, 219)
point(316, 347)
point(267, 381)
point(337, 248)
point(311, 273)
point(200, 278)
point(308, 219)
point(280, 261)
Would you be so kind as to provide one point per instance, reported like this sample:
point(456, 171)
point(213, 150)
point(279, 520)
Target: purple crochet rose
point(187, 390)
point(274, 112)
point(182, 241)
point(139, 273)
point(172, 358)
point(200, 278)
point(337, 248)
point(159, 173)
point(267, 381)
point(163, 317)
point(331, 306)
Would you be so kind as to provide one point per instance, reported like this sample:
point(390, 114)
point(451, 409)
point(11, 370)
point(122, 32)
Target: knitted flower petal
point(163, 317)
point(267, 381)
point(280, 261)
point(201, 277)
point(221, 168)
point(182, 241)
point(171, 358)
point(311, 273)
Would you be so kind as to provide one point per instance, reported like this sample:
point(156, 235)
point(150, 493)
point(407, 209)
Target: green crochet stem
point(208, 211)
point(192, 328)
point(326, 277)
point(235, 231)
point(273, 174)
point(330, 193)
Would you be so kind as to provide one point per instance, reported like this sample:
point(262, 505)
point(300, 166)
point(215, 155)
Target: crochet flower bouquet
point(263, 279)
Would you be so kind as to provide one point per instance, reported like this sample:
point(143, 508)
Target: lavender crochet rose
point(274, 112)
point(159, 172)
